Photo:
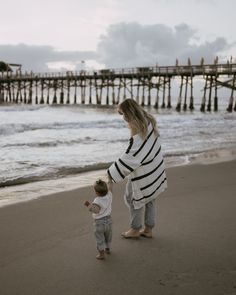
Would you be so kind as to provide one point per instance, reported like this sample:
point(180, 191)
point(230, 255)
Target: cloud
point(133, 44)
point(123, 45)
point(37, 58)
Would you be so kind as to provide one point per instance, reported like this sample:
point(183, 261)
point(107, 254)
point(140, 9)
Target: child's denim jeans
point(103, 232)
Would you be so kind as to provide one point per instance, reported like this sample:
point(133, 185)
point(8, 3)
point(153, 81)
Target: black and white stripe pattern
point(143, 162)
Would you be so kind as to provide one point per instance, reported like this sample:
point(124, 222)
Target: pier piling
point(147, 85)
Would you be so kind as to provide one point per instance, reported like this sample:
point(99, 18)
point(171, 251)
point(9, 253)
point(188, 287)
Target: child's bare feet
point(108, 251)
point(101, 255)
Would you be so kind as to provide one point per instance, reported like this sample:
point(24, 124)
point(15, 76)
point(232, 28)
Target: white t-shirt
point(105, 203)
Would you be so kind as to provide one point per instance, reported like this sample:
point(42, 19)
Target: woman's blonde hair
point(137, 117)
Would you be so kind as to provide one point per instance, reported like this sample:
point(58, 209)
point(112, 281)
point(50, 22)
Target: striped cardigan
point(143, 162)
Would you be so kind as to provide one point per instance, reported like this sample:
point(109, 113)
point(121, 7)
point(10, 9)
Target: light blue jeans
point(137, 216)
point(103, 232)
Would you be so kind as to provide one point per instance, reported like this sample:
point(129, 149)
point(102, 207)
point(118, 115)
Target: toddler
point(101, 212)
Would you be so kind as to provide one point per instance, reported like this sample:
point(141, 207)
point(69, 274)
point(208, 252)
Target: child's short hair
point(100, 187)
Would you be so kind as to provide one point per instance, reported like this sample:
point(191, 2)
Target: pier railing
point(211, 69)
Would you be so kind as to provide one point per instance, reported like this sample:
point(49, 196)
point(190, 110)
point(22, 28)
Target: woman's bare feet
point(131, 234)
point(146, 232)
point(101, 255)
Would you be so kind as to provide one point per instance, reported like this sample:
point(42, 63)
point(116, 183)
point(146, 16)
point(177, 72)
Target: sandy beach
point(47, 245)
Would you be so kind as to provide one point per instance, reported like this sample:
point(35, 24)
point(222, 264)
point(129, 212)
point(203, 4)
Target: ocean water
point(44, 149)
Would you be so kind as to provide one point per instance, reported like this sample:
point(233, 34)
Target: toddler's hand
point(86, 203)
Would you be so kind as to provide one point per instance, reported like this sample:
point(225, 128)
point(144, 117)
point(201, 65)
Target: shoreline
point(34, 190)
point(48, 244)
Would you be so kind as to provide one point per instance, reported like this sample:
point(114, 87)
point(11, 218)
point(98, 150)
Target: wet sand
point(47, 245)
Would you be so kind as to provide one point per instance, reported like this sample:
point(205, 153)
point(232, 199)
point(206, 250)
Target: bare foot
point(131, 234)
point(108, 251)
point(101, 255)
point(146, 232)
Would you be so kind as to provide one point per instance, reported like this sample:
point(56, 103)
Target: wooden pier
point(149, 86)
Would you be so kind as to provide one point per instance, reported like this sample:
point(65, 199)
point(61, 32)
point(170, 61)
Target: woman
point(143, 163)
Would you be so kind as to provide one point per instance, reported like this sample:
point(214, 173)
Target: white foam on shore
point(214, 156)
point(30, 191)
point(34, 190)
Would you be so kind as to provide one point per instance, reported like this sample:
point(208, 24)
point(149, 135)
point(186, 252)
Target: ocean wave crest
point(10, 129)
point(55, 143)
point(54, 174)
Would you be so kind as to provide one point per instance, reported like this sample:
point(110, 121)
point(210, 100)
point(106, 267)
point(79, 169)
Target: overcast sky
point(53, 35)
